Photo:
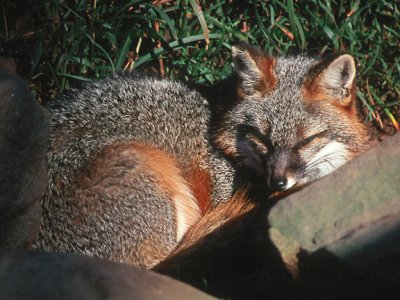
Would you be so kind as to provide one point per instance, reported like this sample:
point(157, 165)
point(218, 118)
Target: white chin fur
point(330, 157)
point(290, 183)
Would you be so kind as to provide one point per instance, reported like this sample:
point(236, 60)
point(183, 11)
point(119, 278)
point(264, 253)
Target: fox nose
point(278, 184)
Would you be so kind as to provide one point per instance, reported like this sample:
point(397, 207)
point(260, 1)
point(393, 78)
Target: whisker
point(326, 159)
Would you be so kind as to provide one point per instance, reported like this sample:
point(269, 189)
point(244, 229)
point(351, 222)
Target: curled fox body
point(135, 162)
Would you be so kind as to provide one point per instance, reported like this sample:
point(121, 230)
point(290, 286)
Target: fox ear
point(332, 80)
point(255, 70)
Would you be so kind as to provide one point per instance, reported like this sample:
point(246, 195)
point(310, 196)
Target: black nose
point(278, 184)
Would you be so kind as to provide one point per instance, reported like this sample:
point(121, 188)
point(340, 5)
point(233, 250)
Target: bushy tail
point(228, 254)
point(214, 219)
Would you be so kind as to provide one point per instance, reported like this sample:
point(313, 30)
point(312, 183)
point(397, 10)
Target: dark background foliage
point(59, 44)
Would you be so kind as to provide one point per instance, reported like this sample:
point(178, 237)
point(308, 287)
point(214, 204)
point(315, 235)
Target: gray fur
point(162, 113)
point(280, 114)
point(125, 220)
point(123, 108)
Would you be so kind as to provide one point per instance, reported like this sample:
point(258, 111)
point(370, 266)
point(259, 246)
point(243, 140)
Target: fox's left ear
point(255, 69)
point(332, 79)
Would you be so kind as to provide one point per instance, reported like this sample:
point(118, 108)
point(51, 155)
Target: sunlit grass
point(59, 44)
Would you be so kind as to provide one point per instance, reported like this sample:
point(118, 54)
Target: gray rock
point(352, 214)
point(41, 276)
point(23, 176)
point(8, 65)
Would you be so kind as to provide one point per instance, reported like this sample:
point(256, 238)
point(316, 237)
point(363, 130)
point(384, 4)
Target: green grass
point(59, 44)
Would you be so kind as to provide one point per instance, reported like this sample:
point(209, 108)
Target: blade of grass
point(122, 53)
point(76, 77)
point(202, 20)
point(260, 23)
point(98, 46)
point(385, 109)
point(295, 24)
point(172, 45)
point(164, 17)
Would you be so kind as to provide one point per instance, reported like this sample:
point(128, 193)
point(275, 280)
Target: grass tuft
point(59, 44)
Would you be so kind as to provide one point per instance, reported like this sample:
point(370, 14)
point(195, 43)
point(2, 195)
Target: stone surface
point(8, 65)
point(235, 260)
point(327, 235)
point(23, 175)
point(353, 213)
point(37, 276)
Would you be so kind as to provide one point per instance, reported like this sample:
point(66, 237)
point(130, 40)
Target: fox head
point(295, 119)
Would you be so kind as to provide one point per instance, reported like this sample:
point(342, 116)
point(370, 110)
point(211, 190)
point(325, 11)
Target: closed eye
point(309, 139)
point(257, 143)
point(256, 138)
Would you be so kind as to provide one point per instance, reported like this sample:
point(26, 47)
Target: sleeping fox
point(134, 162)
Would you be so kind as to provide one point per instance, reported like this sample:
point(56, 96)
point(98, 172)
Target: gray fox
point(134, 162)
